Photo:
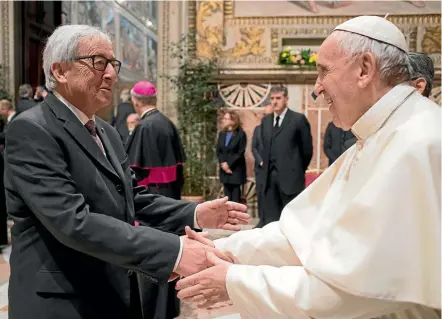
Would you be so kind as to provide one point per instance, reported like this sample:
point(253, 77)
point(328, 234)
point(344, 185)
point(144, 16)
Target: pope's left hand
point(222, 214)
point(207, 287)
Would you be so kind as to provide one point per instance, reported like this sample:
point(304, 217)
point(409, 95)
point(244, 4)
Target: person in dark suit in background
point(26, 100)
point(120, 114)
point(336, 142)
point(231, 147)
point(257, 150)
point(75, 250)
point(7, 111)
point(287, 152)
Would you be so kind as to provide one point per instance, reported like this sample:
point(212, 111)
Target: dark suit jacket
point(257, 148)
point(233, 154)
point(293, 147)
point(3, 134)
point(119, 121)
point(73, 244)
point(336, 142)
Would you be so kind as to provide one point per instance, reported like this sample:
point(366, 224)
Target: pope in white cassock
point(363, 241)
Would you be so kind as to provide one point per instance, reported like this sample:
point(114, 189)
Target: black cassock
point(156, 155)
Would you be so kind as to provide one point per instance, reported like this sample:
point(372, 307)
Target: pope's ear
point(59, 72)
point(367, 67)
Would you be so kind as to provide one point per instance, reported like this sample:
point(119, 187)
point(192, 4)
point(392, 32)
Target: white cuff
point(180, 253)
point(195, 223)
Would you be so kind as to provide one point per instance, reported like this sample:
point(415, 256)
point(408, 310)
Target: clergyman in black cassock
point(156, 155)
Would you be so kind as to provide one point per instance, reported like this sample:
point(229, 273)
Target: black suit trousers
point(274, 199)
point(233, 191)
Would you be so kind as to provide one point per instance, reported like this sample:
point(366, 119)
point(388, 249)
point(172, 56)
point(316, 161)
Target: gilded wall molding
point(164, 33)
point(6, 43)
point(431, 41)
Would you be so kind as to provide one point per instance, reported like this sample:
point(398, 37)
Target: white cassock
point(367, 231)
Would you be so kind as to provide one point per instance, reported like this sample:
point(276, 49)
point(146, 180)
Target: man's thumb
point(220, 201)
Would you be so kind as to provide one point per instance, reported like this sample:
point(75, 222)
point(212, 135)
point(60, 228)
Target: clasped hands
point(226, 168)
point(206, 268)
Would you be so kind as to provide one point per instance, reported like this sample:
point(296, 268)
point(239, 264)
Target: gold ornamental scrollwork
point(251, 43)
point(431, 41)
point(210, 37)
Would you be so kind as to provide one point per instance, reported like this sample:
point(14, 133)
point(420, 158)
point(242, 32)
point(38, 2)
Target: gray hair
point(62, 47)
point(25, 91)
point(392, 63)
point(125, 95)
point(422, 67)
point(279, 89)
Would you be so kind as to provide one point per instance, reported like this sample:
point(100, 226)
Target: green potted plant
point(195, 86)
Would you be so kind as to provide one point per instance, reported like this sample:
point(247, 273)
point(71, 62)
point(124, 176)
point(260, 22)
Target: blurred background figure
point(257, 151)
point(132, 122)
point(120, 114)
point(422, 72)
point(336, 142)
point(40, 93)
point(26, 98)
point(231, 147)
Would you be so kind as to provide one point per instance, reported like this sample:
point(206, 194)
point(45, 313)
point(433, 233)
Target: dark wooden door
point(39, 20)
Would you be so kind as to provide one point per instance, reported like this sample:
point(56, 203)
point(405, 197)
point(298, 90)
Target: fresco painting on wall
point(89, 13)
point(333, 8)
point(109, 23)
point(131, 41)
point(152, 58)
point(66, 12)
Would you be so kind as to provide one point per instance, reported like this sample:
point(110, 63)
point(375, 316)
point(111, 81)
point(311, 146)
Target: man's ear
point(367, 66)
point(59, 73)
point(420, 84)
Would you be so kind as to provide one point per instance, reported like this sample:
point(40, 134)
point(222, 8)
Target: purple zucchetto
point(143, 89)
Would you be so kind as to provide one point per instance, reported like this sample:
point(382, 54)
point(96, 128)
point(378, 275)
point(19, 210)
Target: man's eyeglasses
point(100, 63)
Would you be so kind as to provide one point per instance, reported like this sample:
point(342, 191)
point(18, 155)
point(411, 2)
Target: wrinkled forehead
point(330, 51)
point(96, 46)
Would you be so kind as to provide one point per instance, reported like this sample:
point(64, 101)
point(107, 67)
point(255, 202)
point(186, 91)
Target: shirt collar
point(281, 116)
point(79, 114)
point(10, 117)
point(379, 113)
point(144, 113)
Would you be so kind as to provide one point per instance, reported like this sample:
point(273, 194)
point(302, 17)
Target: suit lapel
point(79, 133)
point(110, 151)
point(285, 122)
point(232, 139)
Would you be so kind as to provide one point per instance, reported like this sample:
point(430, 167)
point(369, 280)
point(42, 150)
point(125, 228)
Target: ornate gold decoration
point(191, 7)
point(436, 95)
point(244, 95)
point(412, 41)
point(210, 38)
point(4, 12)
point(431, 41)
point(250, 43)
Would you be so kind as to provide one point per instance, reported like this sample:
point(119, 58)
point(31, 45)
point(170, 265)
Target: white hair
point(392, 63)
point(62, 46)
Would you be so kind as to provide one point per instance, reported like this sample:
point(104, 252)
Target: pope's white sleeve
point(260, 292)
point(260, 246)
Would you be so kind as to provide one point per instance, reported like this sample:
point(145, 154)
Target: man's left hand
point(222, 214)
point(207, 287)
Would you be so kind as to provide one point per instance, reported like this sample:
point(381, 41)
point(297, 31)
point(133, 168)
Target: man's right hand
point(193, 258)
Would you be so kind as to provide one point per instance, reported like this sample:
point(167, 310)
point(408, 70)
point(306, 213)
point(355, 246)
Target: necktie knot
point(91, 127)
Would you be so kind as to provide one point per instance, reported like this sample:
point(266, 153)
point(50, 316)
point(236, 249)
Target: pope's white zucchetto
point(376, 28)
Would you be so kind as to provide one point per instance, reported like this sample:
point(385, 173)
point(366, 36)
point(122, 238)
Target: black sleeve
point(233, 158)
point(40, 174)
point(306, 141)
point(219, 153)
point(328, 144)
point(256, 146)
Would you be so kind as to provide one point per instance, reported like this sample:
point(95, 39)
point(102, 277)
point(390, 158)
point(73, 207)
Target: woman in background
point(231, 147)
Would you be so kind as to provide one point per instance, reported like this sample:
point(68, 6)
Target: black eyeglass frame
point(116, 67)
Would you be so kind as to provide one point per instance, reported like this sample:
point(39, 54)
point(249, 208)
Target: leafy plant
point(300, 58)
point(197, 110)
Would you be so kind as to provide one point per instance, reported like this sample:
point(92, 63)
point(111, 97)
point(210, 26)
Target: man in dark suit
point(120, 114)
point(287, 152)
point(7, 111)
point(75, 250)
point(257, 149)
point(336, 142)
point(26, 100)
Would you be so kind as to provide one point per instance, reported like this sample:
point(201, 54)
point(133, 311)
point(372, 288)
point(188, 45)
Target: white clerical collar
point(376, 116)
point(148, 110)
point(10, 116)
point(79, 114)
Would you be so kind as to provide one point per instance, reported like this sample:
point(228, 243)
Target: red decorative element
point(159, 175)
point(310, 178)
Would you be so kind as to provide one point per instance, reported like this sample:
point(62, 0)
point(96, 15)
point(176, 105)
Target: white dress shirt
point(281, 117)
point(10, 117)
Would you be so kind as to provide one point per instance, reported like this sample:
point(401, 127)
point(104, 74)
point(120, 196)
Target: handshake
point(205, 269)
